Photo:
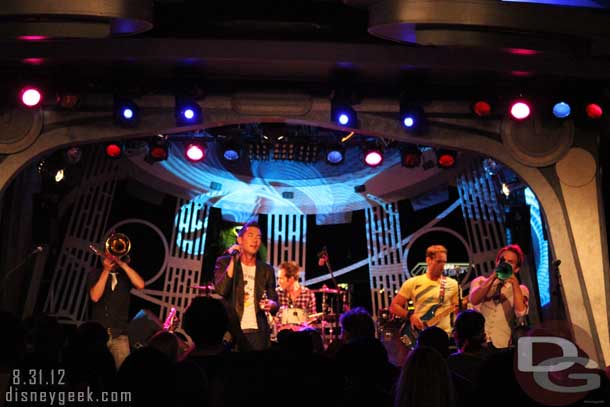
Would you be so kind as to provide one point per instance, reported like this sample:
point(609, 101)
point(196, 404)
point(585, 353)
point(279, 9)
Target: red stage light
point(445, 158)
point(195, 152)
point(114, 150)
point(594, 111)
point(481, 108)
point(158, 153)
point(520, 110)
point(30, 96)
point(410, 156)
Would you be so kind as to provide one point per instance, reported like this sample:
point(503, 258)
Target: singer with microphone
point(109, 291)
point(248, 285)
point(500, 297)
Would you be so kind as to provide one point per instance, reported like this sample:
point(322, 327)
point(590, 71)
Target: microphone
point(37, 249)
point(233, 252)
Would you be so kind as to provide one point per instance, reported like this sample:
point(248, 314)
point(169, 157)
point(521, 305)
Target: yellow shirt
point(425, 293)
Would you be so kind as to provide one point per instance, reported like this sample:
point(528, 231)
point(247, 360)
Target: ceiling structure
point(452, 50)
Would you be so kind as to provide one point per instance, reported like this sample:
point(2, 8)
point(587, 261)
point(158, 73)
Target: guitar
point(409, 334)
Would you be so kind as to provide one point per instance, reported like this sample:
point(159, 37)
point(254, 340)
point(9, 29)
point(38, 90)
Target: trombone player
point(109, 291)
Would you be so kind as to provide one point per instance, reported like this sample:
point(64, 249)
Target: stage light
point(158, 149)
point(335, 155)
point(411, 116)
point(114, 150)
point(594, 111)
point(187, 112)
point(341, 111)
point(410, 156)
point(73, 155)
point(30, 96)
point(561, 110)
point(126, 113)
point(59, 175)
point(520, 110)
point(481, 108)
point(445, 158)
point(67, 100)
point(195, 152)
point(230, 152)
point(373, 156)
point(343, 115)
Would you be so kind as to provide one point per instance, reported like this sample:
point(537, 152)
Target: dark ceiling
point(308, 45)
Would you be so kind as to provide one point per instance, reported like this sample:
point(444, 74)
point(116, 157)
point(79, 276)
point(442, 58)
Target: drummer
point(291, 294)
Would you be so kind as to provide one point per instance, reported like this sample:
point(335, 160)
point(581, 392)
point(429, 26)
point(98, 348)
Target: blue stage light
point(411, 117)
point(231, 154)
point(561, 110)
point(126, 113)
point(187, 112)
point(343, 114)
point(335, 155)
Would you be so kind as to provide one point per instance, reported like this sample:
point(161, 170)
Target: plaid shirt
point(306, 301)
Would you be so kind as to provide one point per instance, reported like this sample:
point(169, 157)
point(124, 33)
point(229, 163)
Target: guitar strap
point(441, 297)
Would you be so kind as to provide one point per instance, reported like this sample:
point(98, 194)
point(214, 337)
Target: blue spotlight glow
point(561, 110)
point(412, 117)
point(231, 154)
point(187, 112)
point(127, 113)
point(334, 157)
point(343, 115)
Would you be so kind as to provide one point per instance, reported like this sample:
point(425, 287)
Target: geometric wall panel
point(386, 270)
point(68, 296)
point(287, 240)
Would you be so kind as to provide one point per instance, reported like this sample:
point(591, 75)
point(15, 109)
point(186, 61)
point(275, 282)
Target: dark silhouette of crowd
point(296, 371)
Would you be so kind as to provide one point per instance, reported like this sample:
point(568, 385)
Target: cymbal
point(327, 290)
point(208, 287)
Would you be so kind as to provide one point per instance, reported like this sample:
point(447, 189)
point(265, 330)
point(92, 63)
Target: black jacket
point(232, 289)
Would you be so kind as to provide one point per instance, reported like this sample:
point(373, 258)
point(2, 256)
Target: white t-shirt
point(248, 319)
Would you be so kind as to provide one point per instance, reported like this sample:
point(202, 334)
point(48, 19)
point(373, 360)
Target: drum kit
point(325, 322)
point(297, 319)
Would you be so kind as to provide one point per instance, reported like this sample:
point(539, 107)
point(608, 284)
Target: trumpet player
point(109, 291)
point(500, 297)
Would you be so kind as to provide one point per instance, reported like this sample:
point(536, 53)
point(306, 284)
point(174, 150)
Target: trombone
point(117, 244)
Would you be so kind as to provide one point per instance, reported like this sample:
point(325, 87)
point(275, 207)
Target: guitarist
point(431, 293)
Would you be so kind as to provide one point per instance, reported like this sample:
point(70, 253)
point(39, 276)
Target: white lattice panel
point(68, 294)
point(287, 239)
point(386, 272)
point(483, 216)
point(385, 283)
